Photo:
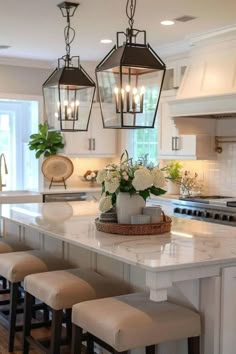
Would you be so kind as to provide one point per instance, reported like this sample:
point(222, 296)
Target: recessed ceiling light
point(167, 23)
point(106, 41)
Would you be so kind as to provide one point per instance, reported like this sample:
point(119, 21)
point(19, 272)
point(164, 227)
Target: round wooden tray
point(135, 229)
point(57, 167)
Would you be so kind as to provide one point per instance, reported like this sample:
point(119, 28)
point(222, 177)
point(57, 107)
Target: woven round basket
point(135, 229)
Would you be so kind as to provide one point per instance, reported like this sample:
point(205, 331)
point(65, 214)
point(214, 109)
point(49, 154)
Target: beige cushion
point(62, 289)
point(15, 266)
point(132, 321)
point(11, 246)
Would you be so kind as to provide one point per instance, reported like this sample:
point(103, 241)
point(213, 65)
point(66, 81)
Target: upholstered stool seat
point(7, 245)
point(63, 288)
point(60, 290)
point(14, 267)
point(132, 321)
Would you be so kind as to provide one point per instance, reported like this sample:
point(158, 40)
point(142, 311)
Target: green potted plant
point(46, 142)
point(174, 175)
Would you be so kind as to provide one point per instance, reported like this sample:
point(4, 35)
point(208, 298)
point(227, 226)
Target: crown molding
point(227, 32)
point(173, 49)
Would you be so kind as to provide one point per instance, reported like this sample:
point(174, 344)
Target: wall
point(218, 176)
point(81, 165)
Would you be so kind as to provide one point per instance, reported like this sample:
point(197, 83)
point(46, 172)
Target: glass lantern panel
point(75, 107)
point(107, 81)
point(72, 104)
point(133, 96)
point(51, 99)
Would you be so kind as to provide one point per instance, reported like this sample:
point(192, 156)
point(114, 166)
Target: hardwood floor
point(39, 333)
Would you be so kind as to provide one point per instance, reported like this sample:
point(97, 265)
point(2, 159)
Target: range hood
point(208, 89)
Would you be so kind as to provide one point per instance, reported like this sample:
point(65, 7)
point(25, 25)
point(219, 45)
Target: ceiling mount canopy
point(130, 79)
point(69, 90)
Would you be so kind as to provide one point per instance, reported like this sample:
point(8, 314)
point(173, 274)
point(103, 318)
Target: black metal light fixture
point(69, 90)
point(130, 79)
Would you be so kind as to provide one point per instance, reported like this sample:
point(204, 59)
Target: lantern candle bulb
point(122, 99)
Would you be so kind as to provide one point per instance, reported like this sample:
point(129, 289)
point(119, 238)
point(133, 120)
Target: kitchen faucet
point(2, 157)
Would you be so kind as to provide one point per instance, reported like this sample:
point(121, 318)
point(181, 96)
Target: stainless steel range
point(216, 209)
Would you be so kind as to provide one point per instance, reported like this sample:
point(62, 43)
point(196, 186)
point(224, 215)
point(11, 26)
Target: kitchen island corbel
point(194, 265)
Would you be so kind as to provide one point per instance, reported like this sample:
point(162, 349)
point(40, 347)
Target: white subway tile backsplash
point(218, 176)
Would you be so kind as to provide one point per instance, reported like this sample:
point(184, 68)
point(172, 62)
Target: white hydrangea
point(142, 179)
point(158, 178)
point(101, 176)
point(105, 204)
point(112, 184)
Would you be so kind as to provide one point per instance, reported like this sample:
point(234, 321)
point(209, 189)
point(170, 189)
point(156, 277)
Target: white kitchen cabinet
point(228, 311)
point(174, 73)
point(96, 142)
point(172, 145)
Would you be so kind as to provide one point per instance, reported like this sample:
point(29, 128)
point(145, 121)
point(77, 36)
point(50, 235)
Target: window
point(18, 120)
point(144, 141)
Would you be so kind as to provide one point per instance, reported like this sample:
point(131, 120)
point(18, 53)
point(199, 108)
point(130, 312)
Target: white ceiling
point(34, 28)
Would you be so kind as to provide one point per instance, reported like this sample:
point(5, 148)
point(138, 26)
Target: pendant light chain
point(69, 34)
point(130, 11)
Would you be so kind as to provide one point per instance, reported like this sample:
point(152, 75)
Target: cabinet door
point(166, 131)
point(228, 311)
point(171, 144)
point(104, 141)
point(77, 143)
point(96, 142)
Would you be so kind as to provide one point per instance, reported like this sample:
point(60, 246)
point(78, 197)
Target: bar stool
point(14, 267)
point(131, 321)
point(6, 246)
point(60, 290)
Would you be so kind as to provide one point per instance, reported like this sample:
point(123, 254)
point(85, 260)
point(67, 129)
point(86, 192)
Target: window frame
point(24, 97)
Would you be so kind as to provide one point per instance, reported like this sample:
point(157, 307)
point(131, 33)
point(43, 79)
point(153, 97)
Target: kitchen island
point(194, 264)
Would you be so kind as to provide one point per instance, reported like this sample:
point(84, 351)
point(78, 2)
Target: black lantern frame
point(129, 81)
point(69, 90)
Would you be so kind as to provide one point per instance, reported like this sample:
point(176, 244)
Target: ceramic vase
point(127, 205)
point(173, 188)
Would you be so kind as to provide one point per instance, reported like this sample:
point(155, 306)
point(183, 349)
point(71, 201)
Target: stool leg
point(28, 303)
point(76, 343)
point(90, 344)
point(150, 349)
point(56, 331)
point(4, 283)
point(194, 345)
point(12, 318)
point(68, 324)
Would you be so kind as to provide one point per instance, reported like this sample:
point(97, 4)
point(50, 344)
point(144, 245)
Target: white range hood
point(208, 89)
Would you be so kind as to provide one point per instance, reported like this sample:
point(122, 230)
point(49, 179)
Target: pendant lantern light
point(69, 90)
point(130, 79)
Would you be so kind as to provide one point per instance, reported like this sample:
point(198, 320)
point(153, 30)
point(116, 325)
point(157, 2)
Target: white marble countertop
point(190, 243)
point(62, 190)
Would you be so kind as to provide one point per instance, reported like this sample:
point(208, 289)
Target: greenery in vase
point(46, 142)
point(129, 178)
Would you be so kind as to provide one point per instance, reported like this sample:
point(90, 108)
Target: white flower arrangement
point(129, 178)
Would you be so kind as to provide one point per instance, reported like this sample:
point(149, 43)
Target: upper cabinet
point(174, 74)
point(172, 145)
point(96, 142)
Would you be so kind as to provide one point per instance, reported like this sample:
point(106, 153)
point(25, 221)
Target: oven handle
point(64, 197)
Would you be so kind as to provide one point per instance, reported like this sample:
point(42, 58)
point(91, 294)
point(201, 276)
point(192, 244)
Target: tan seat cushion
point(15, 266)
point(11, 246)
point(132, 321)
point(62, 289)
